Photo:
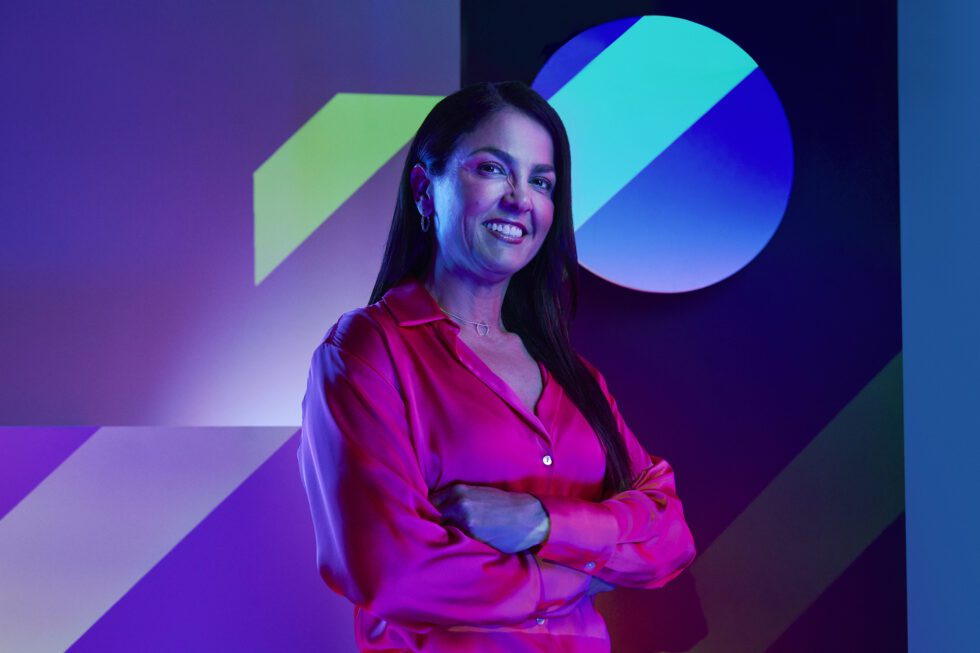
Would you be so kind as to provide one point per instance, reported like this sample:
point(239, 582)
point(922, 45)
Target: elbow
point(389, 596)
point(682, 555)
point(688, 552)
point(383, 601)
point(408, 602)
point(686, 549)
point(341, 582)
point(372, 595)
point(389, 585)
point(353, 576)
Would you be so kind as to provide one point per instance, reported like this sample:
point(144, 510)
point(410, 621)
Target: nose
point(519, 198)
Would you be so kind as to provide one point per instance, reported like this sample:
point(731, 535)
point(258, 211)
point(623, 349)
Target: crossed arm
point(383, 542)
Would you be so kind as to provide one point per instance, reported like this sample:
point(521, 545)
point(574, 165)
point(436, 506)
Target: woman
point(471, 481)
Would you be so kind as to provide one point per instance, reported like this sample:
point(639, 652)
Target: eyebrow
point(541, 167)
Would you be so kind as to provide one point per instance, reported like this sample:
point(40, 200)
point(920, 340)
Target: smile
point(507, 232)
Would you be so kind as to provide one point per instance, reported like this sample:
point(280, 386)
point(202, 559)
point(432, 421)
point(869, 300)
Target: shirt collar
point(411, 304)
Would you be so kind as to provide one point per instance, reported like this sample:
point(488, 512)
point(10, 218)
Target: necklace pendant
point(482, 328)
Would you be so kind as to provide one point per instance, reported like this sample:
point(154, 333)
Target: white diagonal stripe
point(97, 524)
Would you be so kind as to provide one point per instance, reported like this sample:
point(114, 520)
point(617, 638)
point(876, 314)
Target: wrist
point(540, 532)
point(542, 525)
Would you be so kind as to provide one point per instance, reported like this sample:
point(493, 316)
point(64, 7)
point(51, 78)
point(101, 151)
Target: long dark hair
point(541, 297)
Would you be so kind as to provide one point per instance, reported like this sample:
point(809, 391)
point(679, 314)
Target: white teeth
point(506, 229)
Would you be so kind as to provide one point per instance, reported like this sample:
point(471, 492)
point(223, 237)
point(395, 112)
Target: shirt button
point(540, 620)
point(546, 460)
point(590, 565)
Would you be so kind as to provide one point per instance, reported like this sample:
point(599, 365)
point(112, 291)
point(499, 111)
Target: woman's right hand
point(597, 585)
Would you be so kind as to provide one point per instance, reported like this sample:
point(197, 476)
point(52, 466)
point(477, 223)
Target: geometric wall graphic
point(29, 454)
point(812, 521)
point(323, 164)
point(136, 295)
point(151, 250)
point(244, 580)
point(683, 155)
point(104, 517)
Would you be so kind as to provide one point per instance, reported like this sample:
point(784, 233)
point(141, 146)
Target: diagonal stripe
point(577, 53)
point(323, 164)
point(106, 516)
point(717, 205)
point(829, 504)
point(617, 124)
point(29, 453)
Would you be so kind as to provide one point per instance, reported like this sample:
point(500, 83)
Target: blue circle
point(683, 158)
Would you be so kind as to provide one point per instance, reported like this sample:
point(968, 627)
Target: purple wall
point(131, 134)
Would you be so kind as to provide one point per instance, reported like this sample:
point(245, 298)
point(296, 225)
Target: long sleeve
point(636, 538)
point(379, 539)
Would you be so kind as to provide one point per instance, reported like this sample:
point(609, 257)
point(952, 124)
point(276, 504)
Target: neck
point(474, 299)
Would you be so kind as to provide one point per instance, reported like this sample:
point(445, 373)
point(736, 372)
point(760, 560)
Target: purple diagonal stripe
point(29, 454)
point(99, 522)
point(577, 53)
point(245, 579)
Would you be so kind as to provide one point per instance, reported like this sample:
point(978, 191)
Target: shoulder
point(362, 331)
point(362, 337)
point(375, 336)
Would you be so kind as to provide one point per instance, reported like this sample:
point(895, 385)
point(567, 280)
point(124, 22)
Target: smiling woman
point(492, 207)
point(471, 481)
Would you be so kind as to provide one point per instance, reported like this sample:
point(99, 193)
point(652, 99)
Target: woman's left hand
point(507, 521)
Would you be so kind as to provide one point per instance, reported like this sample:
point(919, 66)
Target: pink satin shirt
point(397, 407)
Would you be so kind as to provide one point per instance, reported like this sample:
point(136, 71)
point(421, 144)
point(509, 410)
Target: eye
point(490, 166)
point(545, 183)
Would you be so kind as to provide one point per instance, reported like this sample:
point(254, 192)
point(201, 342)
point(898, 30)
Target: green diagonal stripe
point(822, 511)
point(323, 164)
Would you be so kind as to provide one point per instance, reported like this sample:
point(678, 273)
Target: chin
point(498, 269)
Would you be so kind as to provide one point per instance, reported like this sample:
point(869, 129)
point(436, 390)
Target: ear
point(421, 190)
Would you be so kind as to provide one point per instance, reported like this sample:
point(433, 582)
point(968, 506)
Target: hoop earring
point(426, 220)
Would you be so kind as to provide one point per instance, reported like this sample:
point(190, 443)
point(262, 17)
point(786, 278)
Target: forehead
point(521, 136)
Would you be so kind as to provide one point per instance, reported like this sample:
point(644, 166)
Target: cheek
point(479, 198)
point(547, 218)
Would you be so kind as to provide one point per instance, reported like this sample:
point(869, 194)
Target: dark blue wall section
point(939, 107)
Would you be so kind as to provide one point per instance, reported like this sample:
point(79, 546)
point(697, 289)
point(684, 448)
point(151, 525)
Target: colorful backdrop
point(193, 193)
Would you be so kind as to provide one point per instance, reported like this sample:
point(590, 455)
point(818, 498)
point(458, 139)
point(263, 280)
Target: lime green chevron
point(323, 164)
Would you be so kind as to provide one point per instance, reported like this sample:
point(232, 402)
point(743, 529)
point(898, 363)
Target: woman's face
point(493, 205)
